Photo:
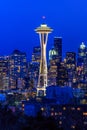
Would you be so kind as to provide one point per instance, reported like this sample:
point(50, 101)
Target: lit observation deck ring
point(43, 29)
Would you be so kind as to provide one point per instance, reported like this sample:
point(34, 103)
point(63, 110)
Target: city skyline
point(29, 59)
point(19, 18)
point(43, 76)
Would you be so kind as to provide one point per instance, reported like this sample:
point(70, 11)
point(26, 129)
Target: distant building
point(58, 48)
point(34, 66)
point(52, 54)
point(4, 70)
point(62, 77)
point(82, 67)
point(82, 62)
point(52, 68)
point(82, 54)
point(33, 72)
point(71, 68)
point(55, 58)
point(17, 68)
point(36, 55)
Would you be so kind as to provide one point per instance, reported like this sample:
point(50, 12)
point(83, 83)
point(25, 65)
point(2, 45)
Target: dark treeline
point(19, 121)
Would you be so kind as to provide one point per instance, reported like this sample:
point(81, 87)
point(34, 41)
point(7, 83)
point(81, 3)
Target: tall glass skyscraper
point(82, 54)
point(17, 68)
point(82, 60)
point(52, 67)
point(71, 67)
point(34, 65)
point(36, 55)
point(82, 67)
point(58, 48)
point(55, 58)
point(4, 77)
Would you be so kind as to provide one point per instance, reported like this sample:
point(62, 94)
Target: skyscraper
point(58, 48)
point(55, 58)
point(62, 75)
point(35, 65)
point(4, 77)
point(82, 67)
point(36, 55)
point(17, 68)
point(82, 61)
point(43, 32)
point(71, 67)
point(52, 67)
point(82, 54)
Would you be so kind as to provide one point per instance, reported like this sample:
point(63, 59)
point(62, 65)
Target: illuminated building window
point(78, 108)
point(52, 114)
point(73, 108)
point(84, 113)
point(22, 105)
point(85, 123)
point(56, 113)
point(42, 109)
point(60, 113)
point(22, 109)
point(64, 108)
point(73, 126)
point(60, 122)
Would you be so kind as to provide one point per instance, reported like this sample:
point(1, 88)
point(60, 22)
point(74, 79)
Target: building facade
point(17, 69)
point(4, 73)
point(71, 68)
point(55, 58)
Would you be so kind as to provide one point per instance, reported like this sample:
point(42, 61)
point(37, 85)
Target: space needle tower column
point(43, 32)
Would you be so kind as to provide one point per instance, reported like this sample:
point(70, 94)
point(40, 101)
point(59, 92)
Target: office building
point(52, 67)
point(36, 55)
point(55, 57)
point(82, 68)
point(4, 77)
point(34, 66)
point(58, 48)
point(62, 77)
point(71, 68)
point(17, 68)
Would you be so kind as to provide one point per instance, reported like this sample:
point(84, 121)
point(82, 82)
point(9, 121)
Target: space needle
point(43, 32)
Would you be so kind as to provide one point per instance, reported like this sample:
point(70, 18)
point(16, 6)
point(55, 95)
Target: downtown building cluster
point(17, 73)
point(55, 87)
point(13, 70)
point(66, 93)
point(70, 71)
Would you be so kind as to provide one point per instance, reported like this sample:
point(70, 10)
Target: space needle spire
point(43, 32)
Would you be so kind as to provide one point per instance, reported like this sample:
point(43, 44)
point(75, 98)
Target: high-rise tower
point(43, 32)
point(17, 68)
point(71, 68)
point(58, 48)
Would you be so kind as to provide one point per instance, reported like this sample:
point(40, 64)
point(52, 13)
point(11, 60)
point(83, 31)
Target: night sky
point(19, 18)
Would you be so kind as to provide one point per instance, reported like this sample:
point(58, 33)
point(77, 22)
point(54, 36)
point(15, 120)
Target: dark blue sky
point(19, 18)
